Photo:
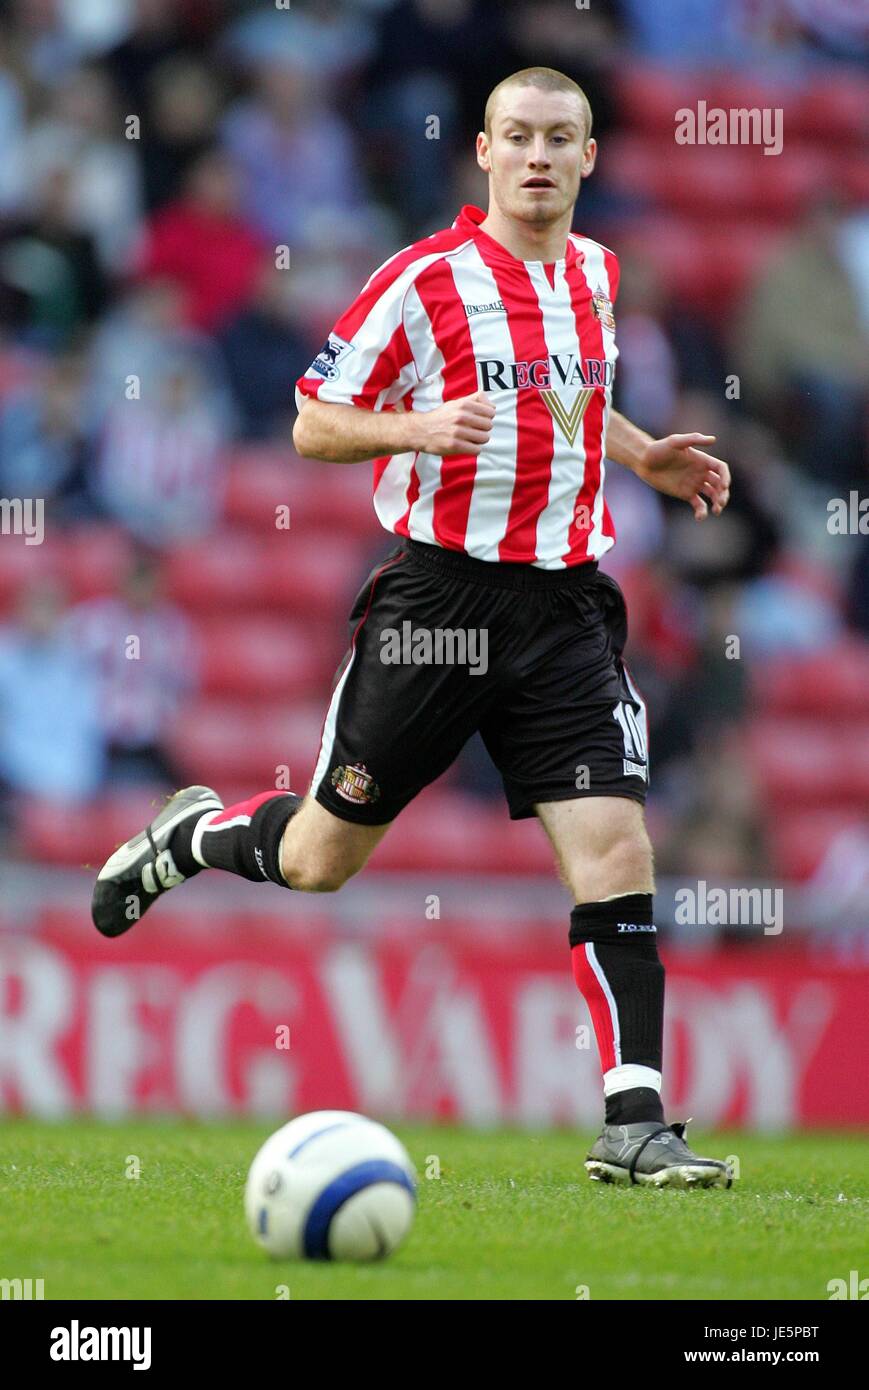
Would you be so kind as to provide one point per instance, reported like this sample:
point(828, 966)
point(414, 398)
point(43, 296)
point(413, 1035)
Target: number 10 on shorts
point(633, 727)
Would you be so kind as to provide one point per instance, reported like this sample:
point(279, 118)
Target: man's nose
point(537, 153)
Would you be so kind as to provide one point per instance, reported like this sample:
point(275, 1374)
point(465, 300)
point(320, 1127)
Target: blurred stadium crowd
point(191, 191)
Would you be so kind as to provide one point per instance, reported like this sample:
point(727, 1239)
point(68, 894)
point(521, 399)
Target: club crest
point(603, 309)
point(355, 783)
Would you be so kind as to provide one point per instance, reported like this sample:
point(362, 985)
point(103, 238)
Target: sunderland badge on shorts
point(355, 784)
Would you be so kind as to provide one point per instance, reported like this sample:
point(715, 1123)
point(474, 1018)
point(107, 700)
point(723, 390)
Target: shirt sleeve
point(367, 359)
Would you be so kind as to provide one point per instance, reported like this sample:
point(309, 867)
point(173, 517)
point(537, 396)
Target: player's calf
point(320, 852)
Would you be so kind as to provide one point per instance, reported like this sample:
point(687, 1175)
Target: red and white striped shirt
point(457, 313)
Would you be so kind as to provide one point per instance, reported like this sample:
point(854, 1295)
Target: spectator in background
point(184, 103)
point(202, 242)
point(13, 172)
point(665, 346)
point(335, 37)
point(51, 741)
point(43, 439)
point(695, 30)
point(745, 539)
point(297, 158)
point(717, 833)
point(837, 27)
point(81, 133)
point(435, 58)
point(47, 44)
point(51, 284)
point(156, 30)
point(143, 329)
point(647, 379)
point(144, 655)
point(666, 633)
point(638, 515)
point(809, 365)
point(265, 349)
point(160, 458)
point(858, 589)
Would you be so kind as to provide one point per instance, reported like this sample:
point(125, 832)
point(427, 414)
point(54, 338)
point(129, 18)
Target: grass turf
point(512, 1216)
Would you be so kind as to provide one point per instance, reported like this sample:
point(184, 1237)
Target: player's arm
point(674, 465)
point(351, 434)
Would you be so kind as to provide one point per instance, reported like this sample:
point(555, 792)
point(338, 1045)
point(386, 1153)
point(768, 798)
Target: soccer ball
point(331, 1186)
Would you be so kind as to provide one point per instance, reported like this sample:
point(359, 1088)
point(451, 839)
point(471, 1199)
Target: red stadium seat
point(317, 575)
point(309, 577)
point(705, 183)
point(225, 573)
point(801, 838)
point(854, 178)
point(334, 497)
point(20, 566)
point(96, 560)
point(222, 741)
point(706, 267)
point(634, 166)
point(832, 683)
point(730, 89)
point(834, 111)
point(261, 657)
point(784, 185)
point(71, 833)
point(800, 762)
point(456, 832)
point(648, 97)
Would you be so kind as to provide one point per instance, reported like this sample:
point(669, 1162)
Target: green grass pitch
point(512, 1216)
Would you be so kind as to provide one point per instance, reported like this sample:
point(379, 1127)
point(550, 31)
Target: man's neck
point(526, 242)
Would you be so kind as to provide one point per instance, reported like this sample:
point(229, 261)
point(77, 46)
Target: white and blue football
point(331, 1185)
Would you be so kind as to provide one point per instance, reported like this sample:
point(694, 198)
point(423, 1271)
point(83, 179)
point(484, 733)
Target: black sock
point(631, 1106)
point(244, 839)
point(617, 969)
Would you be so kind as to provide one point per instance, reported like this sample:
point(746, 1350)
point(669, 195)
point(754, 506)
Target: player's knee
point(622, 863)
point(315, 875)
point(311, 870)
point(630, 846)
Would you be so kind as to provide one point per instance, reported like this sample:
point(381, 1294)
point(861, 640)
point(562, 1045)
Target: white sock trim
point(196, 838)
point(631, 1074)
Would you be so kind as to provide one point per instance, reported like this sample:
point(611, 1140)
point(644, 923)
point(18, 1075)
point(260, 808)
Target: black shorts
point(443, 645)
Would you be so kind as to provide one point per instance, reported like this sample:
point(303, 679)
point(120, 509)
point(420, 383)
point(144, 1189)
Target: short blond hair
point(548, 80)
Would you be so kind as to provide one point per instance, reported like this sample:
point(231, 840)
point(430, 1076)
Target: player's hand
point(679, 468)
point(462, 426)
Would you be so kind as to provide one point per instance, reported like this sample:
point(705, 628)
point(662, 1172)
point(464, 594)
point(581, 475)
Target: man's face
point(537, 154)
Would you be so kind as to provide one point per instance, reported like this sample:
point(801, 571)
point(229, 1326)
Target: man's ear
point(484, 153)
point(588, 159)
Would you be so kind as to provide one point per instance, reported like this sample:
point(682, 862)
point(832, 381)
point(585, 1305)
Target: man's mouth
point(539, 181)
